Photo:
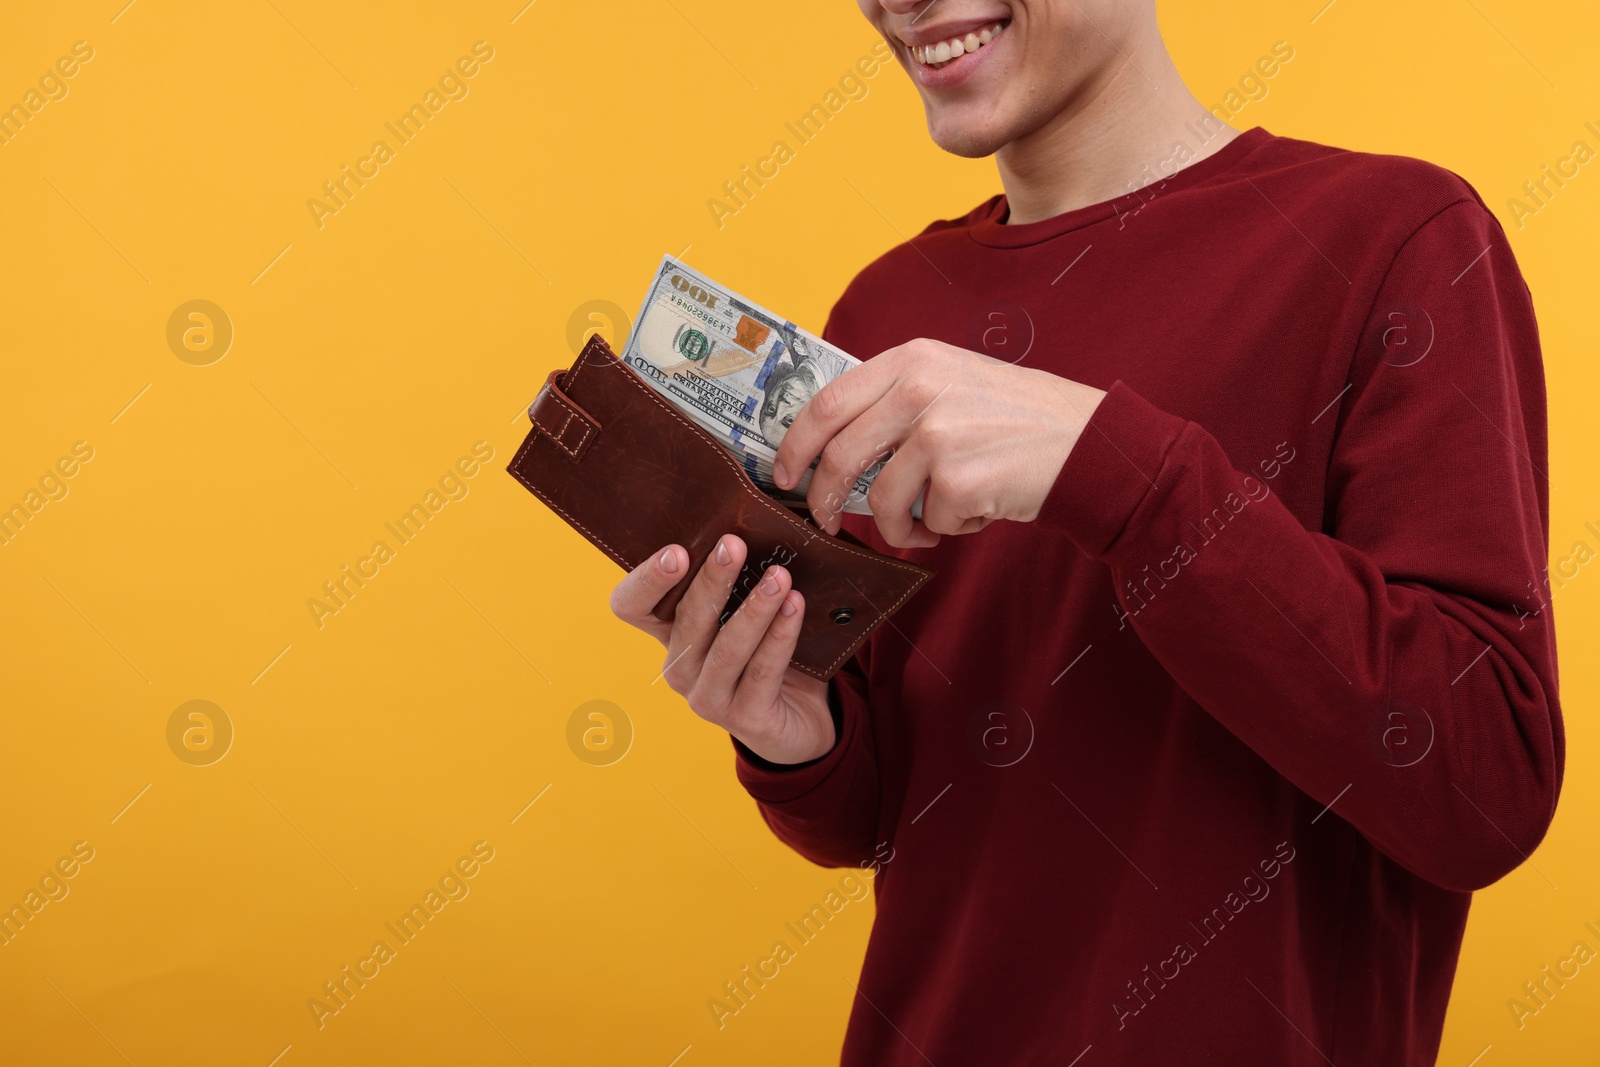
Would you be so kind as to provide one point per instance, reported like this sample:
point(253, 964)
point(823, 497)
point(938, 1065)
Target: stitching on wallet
point(588, 428)
point(616, 557)
point(572, 411)
point(559, 437)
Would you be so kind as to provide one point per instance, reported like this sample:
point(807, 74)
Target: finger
point(730, 652)
point(636, 596)
point(893, 492)
point(849, 455)
point(940, 517)
point(695, 622)
point(834, 407)
point(769, 663)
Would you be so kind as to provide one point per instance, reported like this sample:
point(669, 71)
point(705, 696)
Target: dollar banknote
point(739, 371)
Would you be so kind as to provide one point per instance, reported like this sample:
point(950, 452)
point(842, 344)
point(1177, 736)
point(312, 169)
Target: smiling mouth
point(942, 53)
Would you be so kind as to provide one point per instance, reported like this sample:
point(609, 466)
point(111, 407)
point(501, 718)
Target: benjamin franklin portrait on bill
point(803, 369)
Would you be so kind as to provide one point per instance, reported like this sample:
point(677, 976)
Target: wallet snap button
point(842, 616)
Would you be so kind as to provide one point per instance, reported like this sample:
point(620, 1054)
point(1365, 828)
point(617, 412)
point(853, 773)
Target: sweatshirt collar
point(991, 229)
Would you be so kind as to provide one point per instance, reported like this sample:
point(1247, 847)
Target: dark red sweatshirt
point(1203, 765)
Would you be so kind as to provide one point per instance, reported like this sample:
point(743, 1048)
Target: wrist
point(1076, 407)
point(1082, 401)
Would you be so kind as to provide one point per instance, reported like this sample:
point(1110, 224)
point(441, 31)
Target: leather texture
point(633, 474)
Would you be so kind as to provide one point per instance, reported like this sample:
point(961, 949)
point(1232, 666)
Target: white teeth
point(945, 51)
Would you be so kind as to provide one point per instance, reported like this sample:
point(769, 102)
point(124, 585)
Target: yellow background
point(370, 354)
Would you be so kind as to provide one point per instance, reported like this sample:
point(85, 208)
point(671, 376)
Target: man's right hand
point(735, 675)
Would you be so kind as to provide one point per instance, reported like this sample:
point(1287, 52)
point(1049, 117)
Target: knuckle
point(738, 720)
point(705, 705)
point(934, 425)
point(676, 675)
point(919, 389)
point(884, 506)
point(716, 659)
point(761, 671)
point(685, 618)
point(834, 454)
point(875, 498)
point(829, 402)
point(961, 490)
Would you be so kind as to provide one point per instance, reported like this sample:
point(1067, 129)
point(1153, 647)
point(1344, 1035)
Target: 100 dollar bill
point(741, 372)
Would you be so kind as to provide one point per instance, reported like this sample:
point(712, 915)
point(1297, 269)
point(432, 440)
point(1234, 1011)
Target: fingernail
point(769, 584)
point(669, 561)
point(780, 475)
point(723, 557)
point(787, 609)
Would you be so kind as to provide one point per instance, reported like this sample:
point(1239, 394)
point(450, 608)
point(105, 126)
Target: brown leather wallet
point(632, 473)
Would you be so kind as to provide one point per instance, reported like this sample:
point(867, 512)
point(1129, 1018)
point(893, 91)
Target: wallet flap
point(653, 477)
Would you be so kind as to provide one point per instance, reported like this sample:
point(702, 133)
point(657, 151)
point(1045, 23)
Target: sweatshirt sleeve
point(826, 810)
point(1399, 664)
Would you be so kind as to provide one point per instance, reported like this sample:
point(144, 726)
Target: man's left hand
point(985, 437)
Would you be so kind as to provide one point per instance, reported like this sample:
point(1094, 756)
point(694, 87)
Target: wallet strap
point(558, 418)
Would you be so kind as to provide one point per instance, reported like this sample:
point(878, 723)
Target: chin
point(968, 141)
point(970, 132)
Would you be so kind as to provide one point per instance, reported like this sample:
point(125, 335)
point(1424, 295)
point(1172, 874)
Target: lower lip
point(958, 70)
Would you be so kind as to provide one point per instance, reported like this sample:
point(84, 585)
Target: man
point(1198, 755)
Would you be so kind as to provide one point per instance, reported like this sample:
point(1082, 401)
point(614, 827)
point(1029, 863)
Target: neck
point(1135, 125)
